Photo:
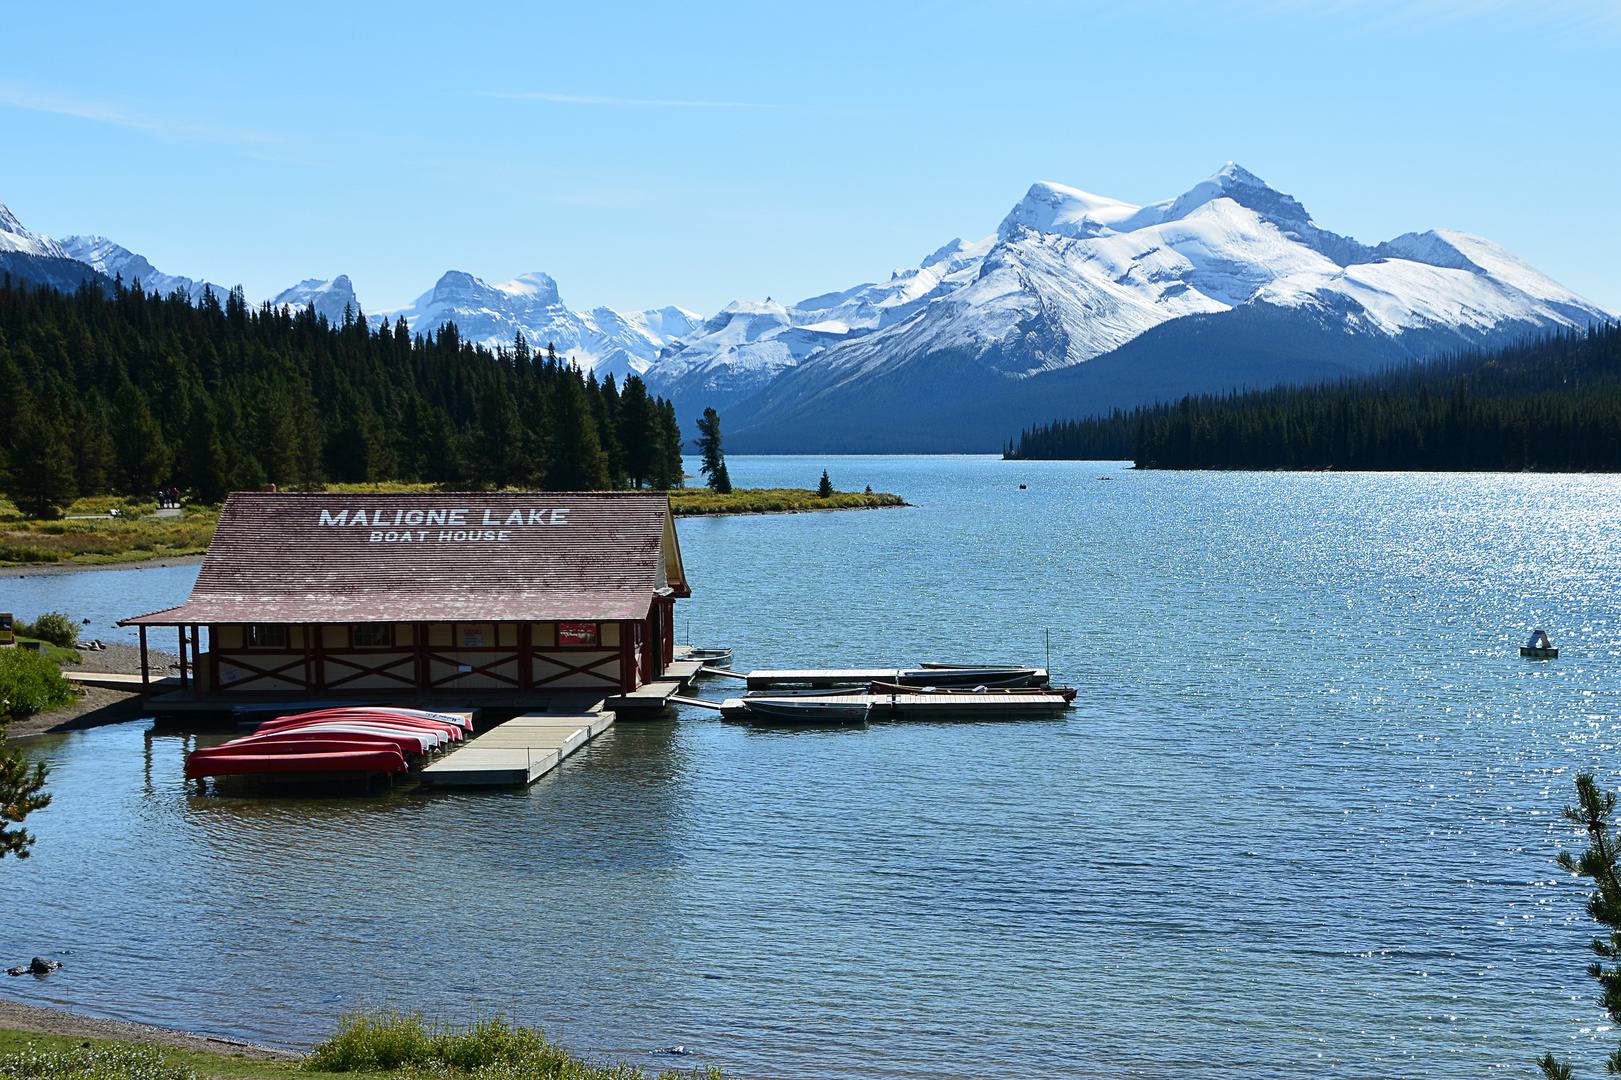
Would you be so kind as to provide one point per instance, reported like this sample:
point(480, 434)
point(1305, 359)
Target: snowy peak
point(13, 237)
point(1065, 211)
point(117, 261)
point(328, 297)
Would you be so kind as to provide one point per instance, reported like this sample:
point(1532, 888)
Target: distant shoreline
point(69, 567)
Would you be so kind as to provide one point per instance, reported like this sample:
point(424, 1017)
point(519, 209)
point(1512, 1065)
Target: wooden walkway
point(113, 680)
point(518, 752)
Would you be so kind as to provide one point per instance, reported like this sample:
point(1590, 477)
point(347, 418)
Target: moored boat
point(717, 658)
point(339, 761)
point(788, 710)
point(970, 677)
point(1066, 693)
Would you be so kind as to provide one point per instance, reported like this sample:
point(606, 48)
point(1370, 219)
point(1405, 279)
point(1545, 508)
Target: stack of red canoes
point(359, 739)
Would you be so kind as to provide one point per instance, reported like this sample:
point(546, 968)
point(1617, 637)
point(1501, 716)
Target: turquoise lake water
point(1301, 821)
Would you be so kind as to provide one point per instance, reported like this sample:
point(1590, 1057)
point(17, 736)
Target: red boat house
point(445, 595)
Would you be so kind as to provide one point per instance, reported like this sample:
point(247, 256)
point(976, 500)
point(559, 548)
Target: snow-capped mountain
point(13, 237)
point(601, 340)
point(329, 297)
point(117, 261)
point(1071, 278)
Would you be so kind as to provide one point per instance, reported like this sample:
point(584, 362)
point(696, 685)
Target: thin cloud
point(578, 99)
point(20, 97)
point(1559, 16)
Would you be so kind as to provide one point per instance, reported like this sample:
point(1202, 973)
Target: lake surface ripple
point(1301, 822)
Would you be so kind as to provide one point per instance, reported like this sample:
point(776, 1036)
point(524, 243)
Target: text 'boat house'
point(499, 595)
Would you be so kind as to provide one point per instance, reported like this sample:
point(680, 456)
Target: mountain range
point(1078, 303)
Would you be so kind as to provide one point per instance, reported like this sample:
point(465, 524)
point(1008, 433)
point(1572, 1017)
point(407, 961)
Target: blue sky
point(648, 154)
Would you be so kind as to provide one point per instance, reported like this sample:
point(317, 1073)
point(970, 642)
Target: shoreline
point(16, 1016)
point(69, 567)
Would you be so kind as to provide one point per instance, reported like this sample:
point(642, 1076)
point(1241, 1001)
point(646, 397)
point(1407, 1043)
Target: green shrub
point(30, 683)
point(97, 1063)
point(386, 1039)
point(56, 627)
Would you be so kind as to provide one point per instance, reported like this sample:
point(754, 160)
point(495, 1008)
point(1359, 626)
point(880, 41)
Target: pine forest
point(1552, 404)
point(127, 391)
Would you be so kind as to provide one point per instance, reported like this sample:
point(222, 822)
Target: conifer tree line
point(1552, 404)
point(130, 391)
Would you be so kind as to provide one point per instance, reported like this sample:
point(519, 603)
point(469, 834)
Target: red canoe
point(337, 761)
point(368, 716)
point(380, 738)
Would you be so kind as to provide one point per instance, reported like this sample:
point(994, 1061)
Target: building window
point(577, 633)
point(374, 635)
point(267, 636)
point(472, 637)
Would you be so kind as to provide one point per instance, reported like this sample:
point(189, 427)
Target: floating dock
point(930, 707)
point(518, 752)
point(654, 697)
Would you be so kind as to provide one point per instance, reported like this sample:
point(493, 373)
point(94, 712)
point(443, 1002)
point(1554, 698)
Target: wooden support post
point(424, 679)
point(526, 656)
point(181, 630)
point(213, 660)
point(319, 630)
point(627, 660)
point(146, 684)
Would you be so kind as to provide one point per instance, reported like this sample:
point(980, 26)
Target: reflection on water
point(1306, 805)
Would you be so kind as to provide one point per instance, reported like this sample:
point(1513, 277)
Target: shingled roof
point(434, 557)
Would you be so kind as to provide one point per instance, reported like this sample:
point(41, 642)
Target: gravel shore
point(19, 1017)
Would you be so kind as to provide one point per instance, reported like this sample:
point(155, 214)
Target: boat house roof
point(434, 557)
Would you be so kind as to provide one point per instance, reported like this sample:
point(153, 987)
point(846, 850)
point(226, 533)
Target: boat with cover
point(1066, 693)
point(970, 677)
point(710, 657)
point(947, 666)
point(787, 710)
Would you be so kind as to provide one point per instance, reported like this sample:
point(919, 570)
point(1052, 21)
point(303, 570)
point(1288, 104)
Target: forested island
point(1552, 404)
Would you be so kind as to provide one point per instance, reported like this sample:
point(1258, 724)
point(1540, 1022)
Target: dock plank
point(518, 752)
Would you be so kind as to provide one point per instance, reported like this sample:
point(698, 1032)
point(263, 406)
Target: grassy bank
point(136, 537)
point(380, 1043)
point(130, 537)
point(699, 501)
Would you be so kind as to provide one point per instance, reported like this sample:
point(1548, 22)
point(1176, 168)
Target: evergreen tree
point(202, 465)
point(498, 457)
point(577, 460)
point(671, 470)
point(39, 477)
point(1594, 813)
point(709, 448)
point(22, 787)
point(143, 454)
point(825, 488)
point(638, 433)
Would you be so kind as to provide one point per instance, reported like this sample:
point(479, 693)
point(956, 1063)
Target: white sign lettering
point(385, 525)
